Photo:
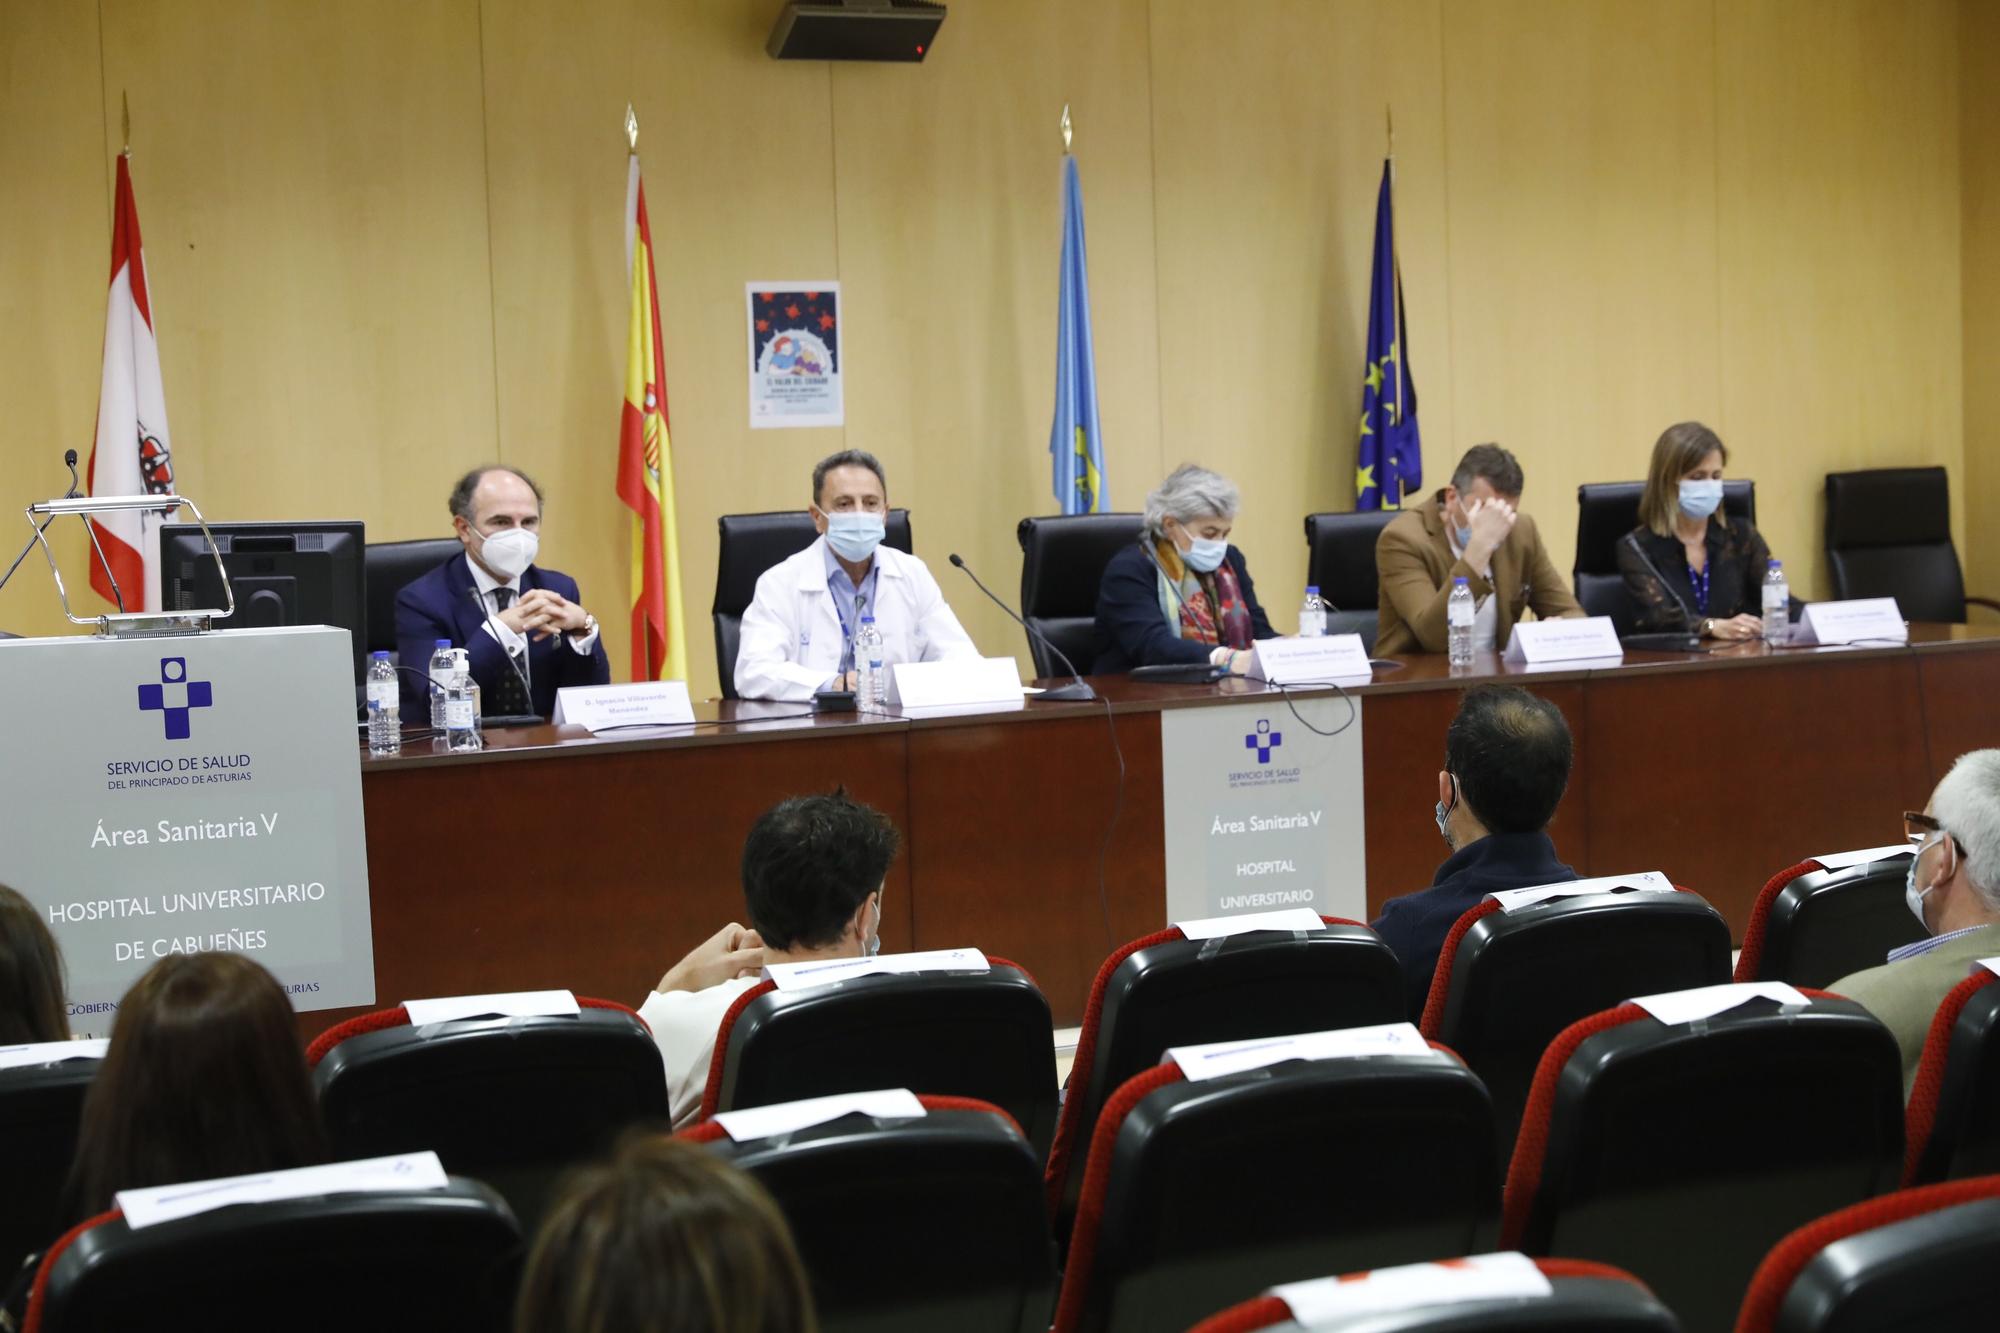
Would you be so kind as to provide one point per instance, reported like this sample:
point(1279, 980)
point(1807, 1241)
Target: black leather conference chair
point(1683, 1153)
point(40, 1106)
point(514, 1102)
point(1916, 1259)
point(1606, 511)
point(1340, 562)
point(1166, 990)
point(751, 544)
point(1888, 534)
point(1811, 926)
point(416, 1261)
point(911, 1225)
point(960, 1034)
point(388, 567)
point(1510, 981)
point(1583, 1298)
point(1202, 1194)
point(1953, 1124)
point(1062, 563)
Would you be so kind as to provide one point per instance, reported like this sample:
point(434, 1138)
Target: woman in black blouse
point(1688, 565)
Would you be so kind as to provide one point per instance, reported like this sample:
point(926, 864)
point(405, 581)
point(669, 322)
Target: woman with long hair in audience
point(205, 1077)
point(664, 1235)
point(33, 1006)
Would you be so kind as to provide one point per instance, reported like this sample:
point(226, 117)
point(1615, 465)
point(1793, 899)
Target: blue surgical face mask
point(1444, 816)
point(1205, 556)
point(854, 535)
point(1913, 897)
point(1699, 499)
point(874, 944)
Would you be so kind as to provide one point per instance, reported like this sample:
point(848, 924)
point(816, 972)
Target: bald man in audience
point(1953, 887)
point(813, 869)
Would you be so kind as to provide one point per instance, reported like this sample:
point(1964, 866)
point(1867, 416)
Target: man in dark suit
point(522, 627)
point(1507, 758)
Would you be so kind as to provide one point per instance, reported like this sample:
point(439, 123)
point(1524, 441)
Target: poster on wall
point(795, 361)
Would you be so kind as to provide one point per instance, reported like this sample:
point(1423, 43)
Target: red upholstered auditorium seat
point(1683, 1152)
point(1812, 926)
point(1165, 990)
point(911, 1225)
point(1953, 1125)
point(966, 1034)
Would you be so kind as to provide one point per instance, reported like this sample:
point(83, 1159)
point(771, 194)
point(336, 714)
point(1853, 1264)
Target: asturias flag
point(1389, 464)
point(646, 464)
point(1076, 441)
point(133, 454)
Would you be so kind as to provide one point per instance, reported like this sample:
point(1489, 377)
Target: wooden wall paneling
point(1979, 149)
point(1269, 137)
point(1838, 201)
point(1581, 161)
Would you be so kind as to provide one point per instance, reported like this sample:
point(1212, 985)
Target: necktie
point(508, 696)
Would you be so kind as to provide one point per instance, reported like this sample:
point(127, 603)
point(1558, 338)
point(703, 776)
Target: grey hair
point(460, 502)
point(1967, 804)
point(1190, 493)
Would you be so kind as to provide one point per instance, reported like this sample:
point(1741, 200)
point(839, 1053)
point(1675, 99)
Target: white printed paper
point(1216, 1059)
point(1483, 1277)
point(804, 976)
point(639, 703)
point(1290, 918)
point(1567, 639)
point(1688, 1006)
point(761, 1122)
point(1990, 964)
point(1646, 881)
point(50, 1052)
point(402, 1173)
point(1331, 657)
point(512, 1004)
point(1870, 619)
point(955, 682)
point(798, 354)
point(1842, 860)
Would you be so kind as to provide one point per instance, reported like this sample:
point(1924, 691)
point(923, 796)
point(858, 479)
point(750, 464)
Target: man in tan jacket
point(1472, 530)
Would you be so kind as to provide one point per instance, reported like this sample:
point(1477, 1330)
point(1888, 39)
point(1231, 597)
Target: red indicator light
point(920, 50)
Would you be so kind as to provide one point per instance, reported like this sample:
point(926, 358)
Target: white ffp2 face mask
point(509, 551)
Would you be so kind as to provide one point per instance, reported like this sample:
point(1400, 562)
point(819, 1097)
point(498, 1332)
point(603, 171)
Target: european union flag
point(1076, 442)
point(1389, 463)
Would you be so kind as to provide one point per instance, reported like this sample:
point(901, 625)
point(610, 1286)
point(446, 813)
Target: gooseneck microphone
point(69, 461)
point(1075, 692)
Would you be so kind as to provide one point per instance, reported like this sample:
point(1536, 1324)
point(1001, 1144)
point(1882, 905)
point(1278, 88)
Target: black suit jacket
point(443, 605)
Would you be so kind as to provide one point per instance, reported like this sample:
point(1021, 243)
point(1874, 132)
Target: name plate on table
point(1536, 642)
point(642, 703)
point(1331, 657)
point(1874, 619)
point(955, 683)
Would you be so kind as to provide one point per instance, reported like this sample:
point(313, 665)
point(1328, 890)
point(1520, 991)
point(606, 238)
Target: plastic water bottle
point(1312, 615)
point(385, 712)
point(1459, 613)
point(441, 672)
point(871, 688)
point(461, 729)
point(1777, 604)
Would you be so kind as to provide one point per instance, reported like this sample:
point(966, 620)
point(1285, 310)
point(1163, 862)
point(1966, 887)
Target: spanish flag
point(646, 464)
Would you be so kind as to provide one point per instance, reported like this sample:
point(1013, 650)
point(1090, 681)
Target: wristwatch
point(589, 627)
point(1707, 624)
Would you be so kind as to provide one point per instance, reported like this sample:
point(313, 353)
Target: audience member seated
point(1954, 890)
point(664, 1236)
point(204, 1078)
point(522, 627)
point(1181, 593)
point(33, 1000)
point(813, 869)
point(1507, 758)
point(799, 630)
point(1688, 565)
point(1472, 529)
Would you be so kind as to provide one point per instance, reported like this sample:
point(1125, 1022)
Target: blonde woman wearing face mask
point(1691, 567)
point(1182, 593)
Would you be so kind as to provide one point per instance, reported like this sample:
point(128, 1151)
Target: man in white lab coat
point(798, 635)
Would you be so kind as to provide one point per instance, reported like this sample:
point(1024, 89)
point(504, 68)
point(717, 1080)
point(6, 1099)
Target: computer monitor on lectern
point(281, 573)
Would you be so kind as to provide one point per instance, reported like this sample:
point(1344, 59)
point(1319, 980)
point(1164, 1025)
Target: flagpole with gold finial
point(1065, 129)
point(125, 119)
point(1395, 294)
point(631, 128)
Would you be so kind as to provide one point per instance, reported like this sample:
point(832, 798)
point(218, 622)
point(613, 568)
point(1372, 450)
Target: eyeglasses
point(1917, 826)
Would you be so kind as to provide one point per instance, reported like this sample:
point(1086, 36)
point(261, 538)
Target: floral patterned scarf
point(1199, 594)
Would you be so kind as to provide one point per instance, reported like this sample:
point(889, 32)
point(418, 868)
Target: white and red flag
point(133, 454)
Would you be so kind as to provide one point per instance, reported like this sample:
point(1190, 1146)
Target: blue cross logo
point(175, 695)
point(1263, 740)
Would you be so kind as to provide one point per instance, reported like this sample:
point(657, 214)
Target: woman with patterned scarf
point(1181, 593)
